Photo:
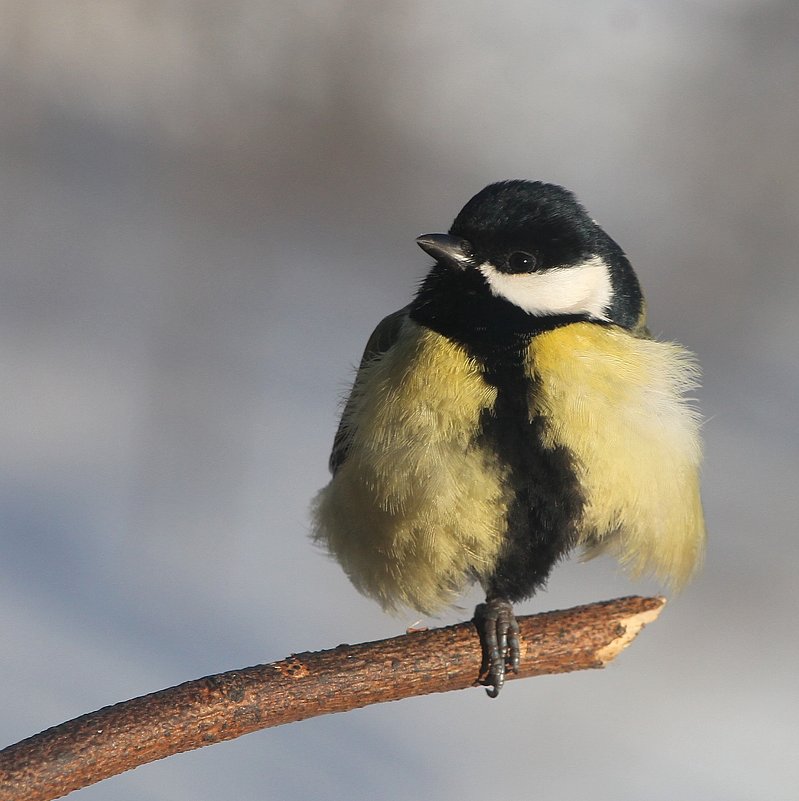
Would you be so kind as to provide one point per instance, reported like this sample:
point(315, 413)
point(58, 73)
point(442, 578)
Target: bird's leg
point(499, 636)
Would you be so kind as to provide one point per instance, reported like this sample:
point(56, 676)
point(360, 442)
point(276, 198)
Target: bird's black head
point(520, 258)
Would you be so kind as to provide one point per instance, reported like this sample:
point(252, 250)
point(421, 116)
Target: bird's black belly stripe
point(547, 501)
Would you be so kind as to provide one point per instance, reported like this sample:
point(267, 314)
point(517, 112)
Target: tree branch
point(224, 706)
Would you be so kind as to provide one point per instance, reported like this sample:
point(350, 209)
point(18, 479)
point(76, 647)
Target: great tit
point(516, 409)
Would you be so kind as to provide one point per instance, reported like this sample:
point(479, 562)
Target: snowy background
point(205, 208)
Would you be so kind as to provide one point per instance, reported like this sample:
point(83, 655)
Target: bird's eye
point(521, 262)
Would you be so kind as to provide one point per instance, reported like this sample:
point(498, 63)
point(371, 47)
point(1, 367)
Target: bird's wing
point(382, 338)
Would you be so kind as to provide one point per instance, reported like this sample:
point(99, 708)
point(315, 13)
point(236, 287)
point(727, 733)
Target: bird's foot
point(499, 636)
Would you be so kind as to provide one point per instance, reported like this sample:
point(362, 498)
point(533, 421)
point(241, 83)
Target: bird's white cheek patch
point(582, 289)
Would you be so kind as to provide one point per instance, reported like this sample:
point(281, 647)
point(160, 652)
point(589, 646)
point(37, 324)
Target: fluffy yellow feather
point(415, 509)
point(618, 404)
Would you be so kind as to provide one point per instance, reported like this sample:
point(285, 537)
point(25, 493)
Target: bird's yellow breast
point(420, 503)
point(617, 403)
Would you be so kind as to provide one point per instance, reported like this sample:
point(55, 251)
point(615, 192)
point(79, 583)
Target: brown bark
point(224, 706)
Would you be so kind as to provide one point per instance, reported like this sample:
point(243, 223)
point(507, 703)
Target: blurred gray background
point(205, 208)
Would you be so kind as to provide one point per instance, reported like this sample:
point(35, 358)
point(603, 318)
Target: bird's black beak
point(447, 248)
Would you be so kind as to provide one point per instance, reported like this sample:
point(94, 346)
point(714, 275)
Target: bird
point(516, 410)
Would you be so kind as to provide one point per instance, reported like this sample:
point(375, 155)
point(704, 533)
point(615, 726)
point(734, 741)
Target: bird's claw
point(499, 635)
